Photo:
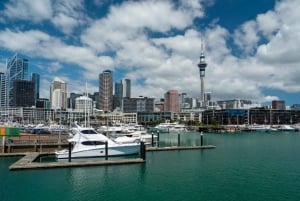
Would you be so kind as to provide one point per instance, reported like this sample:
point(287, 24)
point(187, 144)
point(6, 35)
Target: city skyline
point(250, 47)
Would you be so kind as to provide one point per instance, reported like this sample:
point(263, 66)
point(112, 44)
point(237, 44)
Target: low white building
point(84, 104)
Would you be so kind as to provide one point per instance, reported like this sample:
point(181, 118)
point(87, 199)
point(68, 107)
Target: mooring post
point(178, 140)
point(152, 139)
point(70, 152)
point(157, 143)
point(201, 139)
point(143, 150)
point(106, 150)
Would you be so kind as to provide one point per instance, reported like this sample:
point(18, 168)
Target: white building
point(58, 94)
point(84, 104)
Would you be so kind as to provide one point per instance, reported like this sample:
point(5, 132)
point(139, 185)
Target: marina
point(243, 166)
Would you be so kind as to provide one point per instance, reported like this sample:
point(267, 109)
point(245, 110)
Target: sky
point(252, 48)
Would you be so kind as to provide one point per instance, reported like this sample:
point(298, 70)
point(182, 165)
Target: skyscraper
point(16, 69)
point(23, 93)
point(171, 103)
point(106, 90)
point(2, 90)
point(58, 94)
point(126, 88)
point(35, 77)
point(118, 95)
point(202, 65)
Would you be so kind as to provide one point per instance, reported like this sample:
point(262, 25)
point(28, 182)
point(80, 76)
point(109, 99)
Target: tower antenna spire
point(202, 65)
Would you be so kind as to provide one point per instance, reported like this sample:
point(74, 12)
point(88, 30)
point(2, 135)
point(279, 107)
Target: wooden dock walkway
point(28, 161)
point(179, 148)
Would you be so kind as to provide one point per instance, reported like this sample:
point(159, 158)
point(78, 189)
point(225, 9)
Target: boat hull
point(100, 152)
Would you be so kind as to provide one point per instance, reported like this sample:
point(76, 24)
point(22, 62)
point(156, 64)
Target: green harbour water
point(243, 166)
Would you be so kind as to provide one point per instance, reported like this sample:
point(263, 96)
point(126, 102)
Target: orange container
point(2, 130)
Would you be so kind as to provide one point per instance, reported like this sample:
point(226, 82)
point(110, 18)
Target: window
point(93, 143)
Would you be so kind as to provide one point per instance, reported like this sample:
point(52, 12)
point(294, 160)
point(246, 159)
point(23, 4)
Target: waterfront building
point(35, 77)
point(23, 93)
point(154, 116)
point(106, 90)
point(58, 94)
point(278, 104)
point(202, 66)
point(84, 104)
point(171, 102)
point(251, 116)
point(16, 69)
point(141, 104)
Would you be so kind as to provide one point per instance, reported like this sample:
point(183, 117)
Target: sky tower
point(202, 65)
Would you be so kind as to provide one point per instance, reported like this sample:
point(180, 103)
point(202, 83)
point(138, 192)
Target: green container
point(11, 131)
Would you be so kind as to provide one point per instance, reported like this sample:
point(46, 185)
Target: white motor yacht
point(136, 136)
point(286, 128)
point(89, 143)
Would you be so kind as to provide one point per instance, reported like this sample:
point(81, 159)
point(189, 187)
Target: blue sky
point(251, 47)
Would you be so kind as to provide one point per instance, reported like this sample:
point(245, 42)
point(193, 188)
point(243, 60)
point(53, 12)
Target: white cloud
point(35, 11)
point(123, 40)
point(67, 15)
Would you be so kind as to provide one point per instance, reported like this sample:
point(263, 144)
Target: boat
point(170, 127)
point(259, 128)
point(286, 128)
point(136, 136)
point(88, 143)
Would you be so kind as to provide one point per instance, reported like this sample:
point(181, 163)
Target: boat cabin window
point(92, 143)
point(89, 131)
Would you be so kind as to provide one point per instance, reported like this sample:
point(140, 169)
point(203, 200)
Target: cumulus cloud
point(156, 45)
point(35, 11)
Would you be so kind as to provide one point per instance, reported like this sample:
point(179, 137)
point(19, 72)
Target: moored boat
point(89, 143)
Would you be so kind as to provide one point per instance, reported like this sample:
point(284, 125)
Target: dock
point(179, 148)
point(28, 160)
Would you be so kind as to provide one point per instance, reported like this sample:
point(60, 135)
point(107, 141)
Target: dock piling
point(152, 139)
point(143, 150)
point(157, 143)
point(201, 139)
point(178, 140)
point(70, 152)
point(106, 150)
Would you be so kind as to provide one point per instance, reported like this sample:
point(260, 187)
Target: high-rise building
point(35, 77)
point(2, 89)
point(171, 103)
point(106, 90)
point(202, 65)
point(278, 104)
point(23, 93)
point(16, 69)
point(118, 96)
point(71, 100)
point(126, 88)
point(58, 94)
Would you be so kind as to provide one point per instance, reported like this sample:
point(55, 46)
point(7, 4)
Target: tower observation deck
point(202, 65)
